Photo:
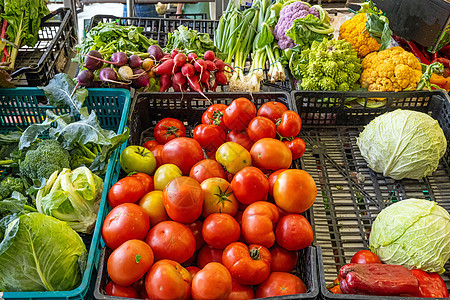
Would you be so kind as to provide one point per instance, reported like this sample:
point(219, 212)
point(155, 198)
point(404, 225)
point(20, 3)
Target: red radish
point(205, 77)
point(164, 82)
point(209, 55)
point(180, 59)
point(210, 66)
point(176, 69)
point(221, 66)
point(173, 53)
point(165, 57)
point(178, 80)
point(165, 67)
point(175, 87)
point(192, 57)
point(195, 85)
point(221, 78)
point(187, 70)
point(200, 66)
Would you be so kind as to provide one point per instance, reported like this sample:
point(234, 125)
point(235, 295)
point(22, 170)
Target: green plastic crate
point(24, 106)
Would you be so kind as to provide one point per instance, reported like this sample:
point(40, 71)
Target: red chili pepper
point(444, 61)
point(431, 285)
point(416, 51)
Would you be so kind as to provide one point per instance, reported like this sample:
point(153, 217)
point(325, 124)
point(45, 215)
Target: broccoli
point(48, 157)
point(10, 184)
point(84, 155)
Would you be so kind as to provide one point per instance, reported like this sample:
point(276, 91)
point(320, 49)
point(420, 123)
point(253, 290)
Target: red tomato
point(214, 115)
point(241, 292)
point(157, 150)
point(272, 179)
point(297, 147)
point(365, 257)
point(129, 262)
point(125, 222)
point(294, 191)
point(250, 185)
point(183, 152)
point(280, 284)
point(240, 137)
point(168, 129)
point(146, 180)
point(272, 110)
point(183, 199)
point(171, 240)
point(239, 113)
point(208, 254)
point(211, 282)
point(167, 279)
point(271, 154)
point(258, 222)
point(193, 270)
point(127, 190)
point(150, 144)
point(113, 289)
point(247, 265)
point(210, 137)
point(261, 127)
point(294, 232)
point(207, 168)
point(282, 260)
point(290, 124)
point(219, 197)
point(219, 230)
point(196, 228)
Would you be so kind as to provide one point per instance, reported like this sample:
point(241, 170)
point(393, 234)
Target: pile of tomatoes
point(216, 216)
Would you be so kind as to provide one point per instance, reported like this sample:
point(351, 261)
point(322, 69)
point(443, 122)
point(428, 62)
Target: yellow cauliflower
point(390, 70)
point(354, 31)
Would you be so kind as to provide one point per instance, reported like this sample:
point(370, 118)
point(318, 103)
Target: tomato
point(271, 154)
point(239, 113)
point(250, 185)
point(205, 169)
point(153, 205)
point(129, 262)
point(113, 289)
point(171, 240)
point(127, 190)
point(211, 282)
point(183, 199)
point(164, 174)
point(196, 228)
point(294, 191)
point(137, 159)
point(247, 265)
point(293, 232)
point(125, 222)
point(282, 260)
point(167, 279)
point(233, 157)
point(208, 254)
point(219, 230)
point(210, 137)
point(272, 179)
point(157, 153)
point(258, 222)
point(280, 284)
point(365, 257)
point(240, 137)
point(290, 124)
point(183, 152)
point(150, 144)
point(193, 270)
point(241, 292)
point(168, 129)
point(272, 110)
point(297, 147)
point(219, 197)
point(261, 127)
point(146, 180)
point(214, 115)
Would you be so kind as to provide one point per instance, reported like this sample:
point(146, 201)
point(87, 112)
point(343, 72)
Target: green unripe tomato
point(137, 159)
point(233, 157)
point(164, 174)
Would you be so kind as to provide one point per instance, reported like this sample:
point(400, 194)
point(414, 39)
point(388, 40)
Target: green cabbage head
point(413, 233)
point(403, 144)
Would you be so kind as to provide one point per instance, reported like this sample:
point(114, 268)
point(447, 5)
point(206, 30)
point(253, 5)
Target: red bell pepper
point(431, 285)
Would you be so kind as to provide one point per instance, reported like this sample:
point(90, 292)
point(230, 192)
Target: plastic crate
point(350, 194)
point(149, 108)
point(21, 107)
point(35, 66)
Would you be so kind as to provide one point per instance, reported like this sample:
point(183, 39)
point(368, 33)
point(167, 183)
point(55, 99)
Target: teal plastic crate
point(24, 106)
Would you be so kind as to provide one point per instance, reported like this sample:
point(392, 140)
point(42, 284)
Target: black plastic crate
point(350, 194)
point(35, 66)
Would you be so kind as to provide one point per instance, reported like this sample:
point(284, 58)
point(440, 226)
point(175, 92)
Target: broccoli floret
point(4, 192)
point(10, 184)
point(84, 155)
point(48, 157)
